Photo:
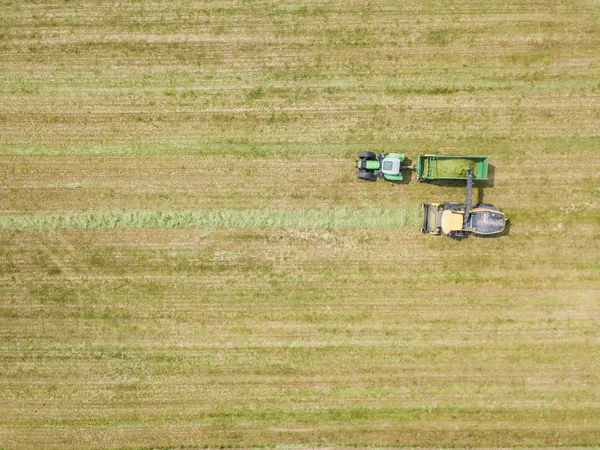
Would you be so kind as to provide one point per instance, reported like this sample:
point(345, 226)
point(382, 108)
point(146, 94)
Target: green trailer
point(434, 167)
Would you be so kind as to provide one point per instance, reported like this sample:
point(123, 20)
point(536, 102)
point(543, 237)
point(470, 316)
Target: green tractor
point(457, 220)
point(387, 166)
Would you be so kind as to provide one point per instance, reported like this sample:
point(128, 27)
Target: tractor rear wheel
point(365, 175)
point(367, 155)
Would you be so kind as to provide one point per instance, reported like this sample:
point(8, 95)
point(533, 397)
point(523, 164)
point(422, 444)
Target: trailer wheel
point(365, 175)
point(367, 155)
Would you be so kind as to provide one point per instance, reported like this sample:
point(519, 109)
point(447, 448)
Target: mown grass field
point(186, 258)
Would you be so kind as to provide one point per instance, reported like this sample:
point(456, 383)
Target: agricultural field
point(186, 257)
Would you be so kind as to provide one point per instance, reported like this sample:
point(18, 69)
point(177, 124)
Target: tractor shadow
point(369, 180)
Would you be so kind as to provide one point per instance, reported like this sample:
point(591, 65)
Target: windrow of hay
point(451, 168)
point(454, 168)
point(330, 218)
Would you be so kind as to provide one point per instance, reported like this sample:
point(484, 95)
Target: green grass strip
point(330, 218)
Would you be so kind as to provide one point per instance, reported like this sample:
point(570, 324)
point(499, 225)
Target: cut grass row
point(290, 219)
point(307, 219)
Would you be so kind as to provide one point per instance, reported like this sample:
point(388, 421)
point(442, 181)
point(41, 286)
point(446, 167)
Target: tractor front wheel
point(365, 175)
point(367, 155)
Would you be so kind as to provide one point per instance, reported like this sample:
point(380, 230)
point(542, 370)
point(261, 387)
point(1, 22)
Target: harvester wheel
point(365, 175)
point(487, 205)
point(367, 155)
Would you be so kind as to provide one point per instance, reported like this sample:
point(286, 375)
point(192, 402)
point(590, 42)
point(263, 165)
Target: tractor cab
point(391, 165)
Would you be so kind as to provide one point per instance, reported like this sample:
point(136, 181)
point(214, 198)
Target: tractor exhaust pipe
point(469, 197)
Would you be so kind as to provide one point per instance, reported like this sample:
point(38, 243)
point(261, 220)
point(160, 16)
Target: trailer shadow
point(479, 194)
point(489, 183)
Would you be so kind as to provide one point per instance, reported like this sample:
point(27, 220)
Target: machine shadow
point(489, 183)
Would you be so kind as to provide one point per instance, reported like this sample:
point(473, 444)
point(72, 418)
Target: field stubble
point(262, 323)
point(301, 335)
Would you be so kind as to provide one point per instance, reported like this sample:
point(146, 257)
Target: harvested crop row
point(302, 219)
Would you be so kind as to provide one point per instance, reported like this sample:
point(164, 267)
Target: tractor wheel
point(487, 205)
point(367, 155)
point(365, 175)
point(454, 206)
